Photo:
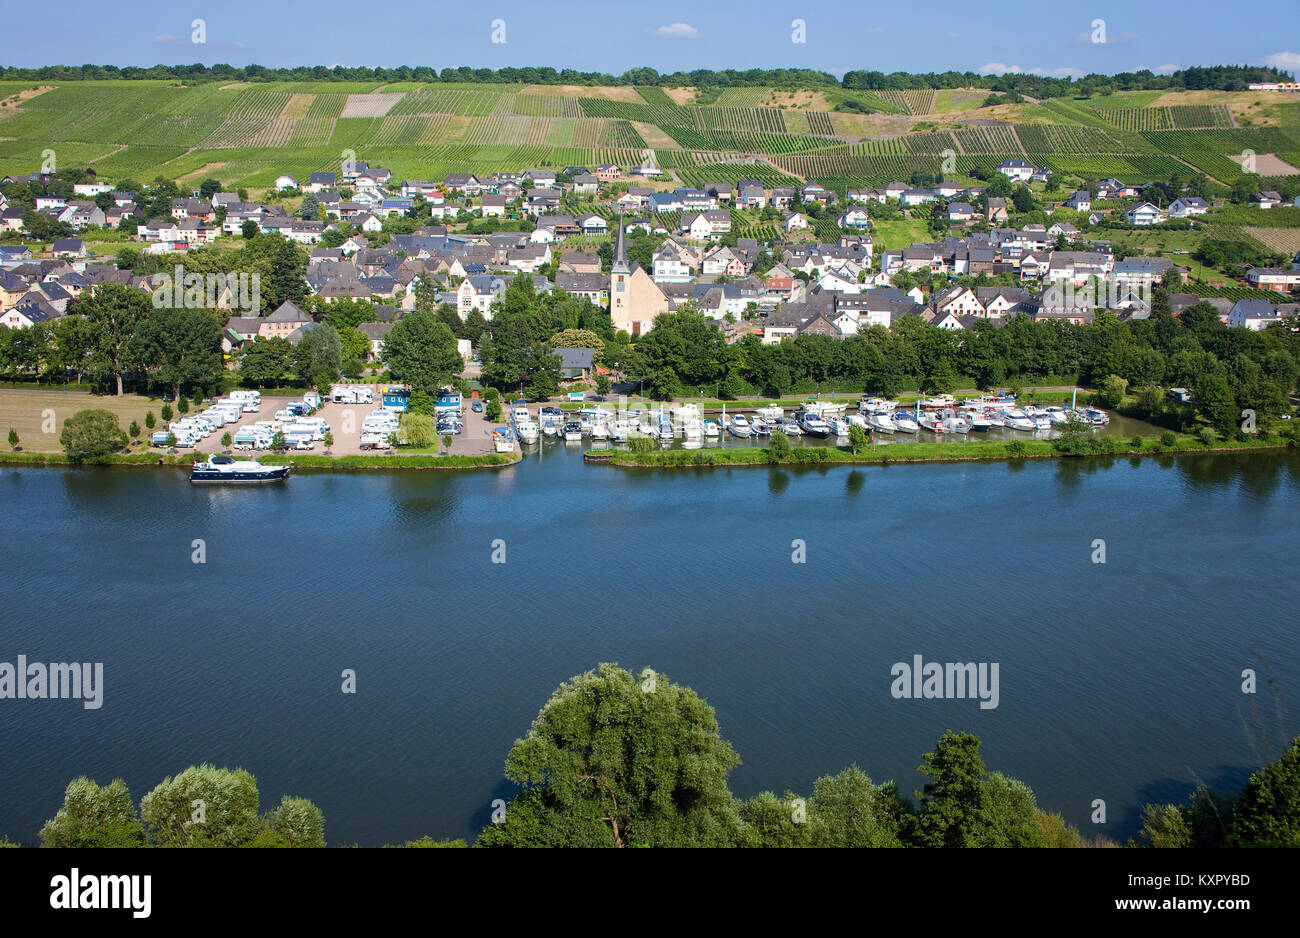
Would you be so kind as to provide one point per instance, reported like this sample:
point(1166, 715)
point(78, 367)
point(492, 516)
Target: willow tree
point(617, 760)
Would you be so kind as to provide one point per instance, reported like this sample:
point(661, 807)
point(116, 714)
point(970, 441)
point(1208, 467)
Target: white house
point(1188, 206)
point(1144, 213)
point(794, 222)
point(1257, 314)
point(1019, 170)
point(286, 182)
point(854, 218)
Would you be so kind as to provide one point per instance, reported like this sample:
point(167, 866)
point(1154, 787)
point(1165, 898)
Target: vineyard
point(248, 133)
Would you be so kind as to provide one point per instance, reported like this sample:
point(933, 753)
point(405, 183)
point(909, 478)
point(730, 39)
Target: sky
point(598, 35)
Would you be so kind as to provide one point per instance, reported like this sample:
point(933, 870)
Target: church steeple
point(620, 253)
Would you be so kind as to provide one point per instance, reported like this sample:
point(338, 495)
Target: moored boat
point(882, 422)
point(227, 469)
point(904, 422)
point(739, 426)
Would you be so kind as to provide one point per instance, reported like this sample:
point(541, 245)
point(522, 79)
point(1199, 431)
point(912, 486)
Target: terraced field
point(248, 133)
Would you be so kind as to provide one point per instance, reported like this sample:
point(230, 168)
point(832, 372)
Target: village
point(979, 267)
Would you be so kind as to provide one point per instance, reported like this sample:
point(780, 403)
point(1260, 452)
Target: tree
point(952, 805)
point(848, 810)
point(207, 188)
point(92, 816)
point(278, 442)
point(225, 440)
point(578, 338)
point(114, 313)
point(266, 361)
point(417, 430)
point(1268, 814)
point(1163, 826)
point(166, 412)
point(150, 421)
point(858, 438)
point(1112, 391)
point(318, 356)
point(309, 210)
point(421, 351)
point(13, 438)
point(177, 348)
point(249, 230)
point(778, 447)
point(614, 761)
point(133, 431)
point(229, 809)
point(296, 822)
point(603, 384)
point(91, 434)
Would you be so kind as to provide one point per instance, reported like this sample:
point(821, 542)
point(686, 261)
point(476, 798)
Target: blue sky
point(1049, 38)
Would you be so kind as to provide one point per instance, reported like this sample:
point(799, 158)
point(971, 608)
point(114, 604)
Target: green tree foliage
point(229, 816)
point(91, 434)
point(266, 361)
point(1268, 813)
point(318, 356)
point(778, 447)
point(952, 805)
point(421, 351)
point(178, 348)
point(92, 816)
point(417, 429)
point(613, 760)
point(1164, 826)
point(114, 313)
point(296, 822)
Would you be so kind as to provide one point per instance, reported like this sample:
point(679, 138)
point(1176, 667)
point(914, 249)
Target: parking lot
point(345, 424)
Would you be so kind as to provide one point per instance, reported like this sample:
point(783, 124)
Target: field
point(246, 134)
point(26, 412)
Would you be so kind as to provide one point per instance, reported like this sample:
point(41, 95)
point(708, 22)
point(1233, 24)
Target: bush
point(1017, 449)
point(134, 430)
point(166, 413)
point(1135, 443)
point(641, 444)
point(778, 449)
point(91, 434)
point(1168, 438)
point(150, 421)
point(1208, 436)
point(182, 406)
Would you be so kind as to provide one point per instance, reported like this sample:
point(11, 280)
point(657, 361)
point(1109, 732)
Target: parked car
point(477, 407)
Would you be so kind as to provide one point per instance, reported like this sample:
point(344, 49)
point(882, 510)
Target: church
point(634, 298)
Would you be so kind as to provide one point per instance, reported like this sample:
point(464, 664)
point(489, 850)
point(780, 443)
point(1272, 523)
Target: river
point(1119, 681)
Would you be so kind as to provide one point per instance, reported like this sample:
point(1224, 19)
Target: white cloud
point(1287, 60)
point(676, 31)
point(997, 68)
point(1165, 69)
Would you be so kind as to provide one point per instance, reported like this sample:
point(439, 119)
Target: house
point(477, 292)
point(593, 286)
point(462, 182)
point(794, 222)
point(958, 301)
point(1080, 201)
point(27, 312)
point(721, 192)
point(635, 199)
point(854, 218)
point(286, 318)
point(918, 197)
point(593, 224)
point(1273, 278)
point(813, 191)
point(608, 172)
point(576, 363)
point(1019, 170)
point(1258, 314)
point(960, 212)
point(285, 182)
point(997, 209)
point(493, 205)
point(585, 184)
point(580, 262)
point(1063, 229)
point(1267, 199)
point(1144, 214)
point(375, 332)
point(321, 182)
point(1188, 206)
point(752, 195)
point(68, 247)
point(672, 265)
point(696, 225)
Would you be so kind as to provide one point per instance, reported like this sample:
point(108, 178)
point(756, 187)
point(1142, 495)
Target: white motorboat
point(1017, 419)
point(1058, 415)
point(739, 426)
point(931, 422)
point(549, 429)
point(573, 432)
point(978, 420)
point(760, 427)
point(771, 414)
point(620, 431)
point(645, 426)
point(600, 430)
point(226, 469)
point(839, 426)
point(789, 427)
point(711, 429)
point(882, 422)
point(527, 431)
point(956, 423)
point(666, 432)
point(904, 422)
point(814, 425)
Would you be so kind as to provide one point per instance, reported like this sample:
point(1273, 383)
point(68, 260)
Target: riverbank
point(878, 455)
point(300, 463)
